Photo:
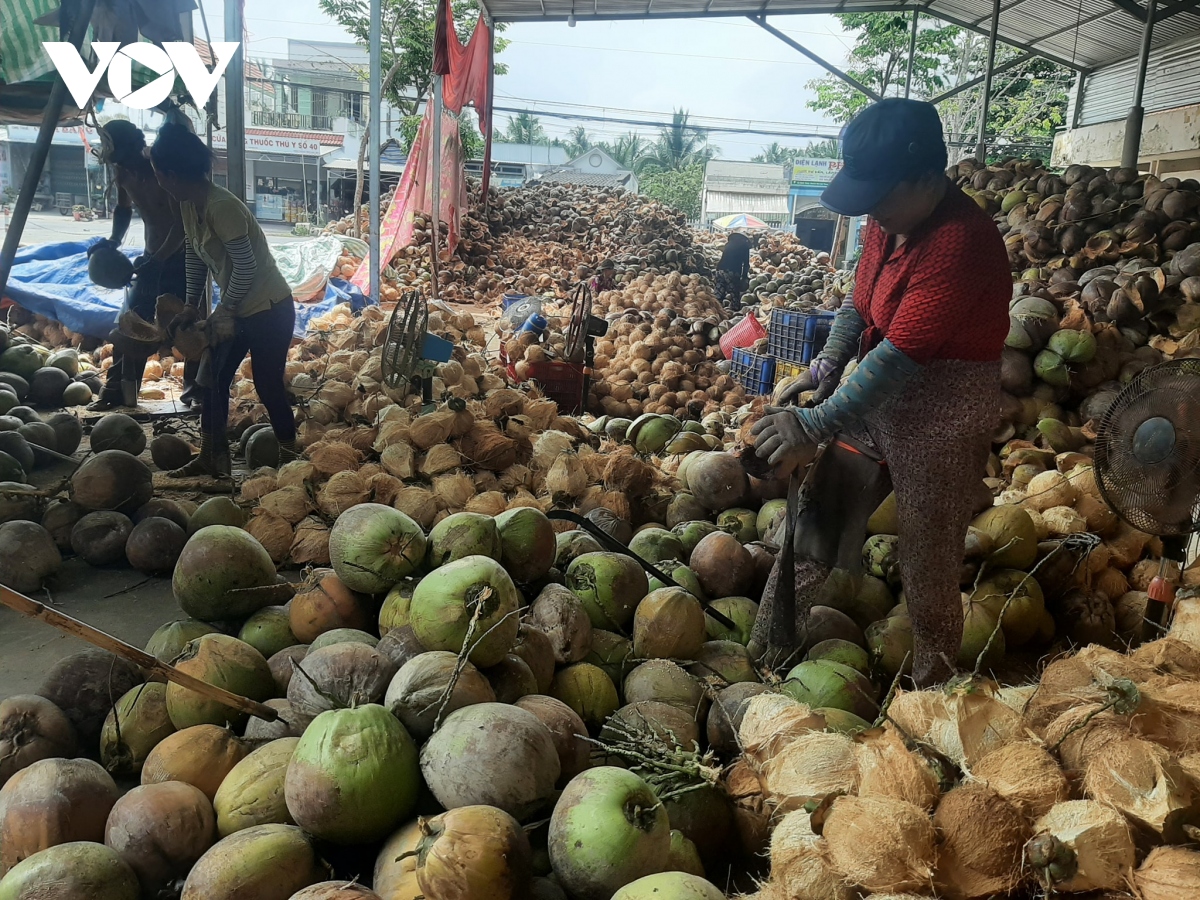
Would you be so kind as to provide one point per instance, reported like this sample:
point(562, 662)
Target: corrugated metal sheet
point(720, 203)
point(1172, 79)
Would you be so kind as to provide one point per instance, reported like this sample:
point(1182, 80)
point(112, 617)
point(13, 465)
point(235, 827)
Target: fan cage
point(404, 344)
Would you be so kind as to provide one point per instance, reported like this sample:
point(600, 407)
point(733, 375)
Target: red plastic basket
point(561, 382)
point(744, 334)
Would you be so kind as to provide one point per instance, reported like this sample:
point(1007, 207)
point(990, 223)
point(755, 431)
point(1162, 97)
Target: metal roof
point(1083, 34)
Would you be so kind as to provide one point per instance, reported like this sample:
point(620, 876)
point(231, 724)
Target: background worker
point(255, 315)
point(606, 278)
point(927, 321)
point(733, 271)
point(159, 270)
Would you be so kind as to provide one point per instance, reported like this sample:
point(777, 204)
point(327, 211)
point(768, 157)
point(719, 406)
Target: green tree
point(627, 149)
point(468, 134)
point(679, 188)
point(776, 154)
point(679, 145)
point(525, 128)
point(577, 142)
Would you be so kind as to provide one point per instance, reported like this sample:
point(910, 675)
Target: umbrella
point(740, 220)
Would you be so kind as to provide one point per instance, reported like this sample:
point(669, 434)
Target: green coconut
point(75, 871)
point(78, 393)
point(117, 431)
point(396, 605)
point(266, 862)
point(21, 359)
point(684, 855)
point(354, 776)
point(1017, 596)
point(170, 452)
point(46, 387)
point(840, 651)
point(588, 690)
point(28, 556)
point(1013, 535)
point(268, 631)
point(460, 535)
point(470, 602)
point(16, 446)
point(134, 727)
point(668, 624)
point(683, 576)
point(528, 542)
point(112, 480)
point(667, 682)
point(417, 694)
point(223, 573)
point(981, 631)
point(337, 677)
point(20, 501)
point(741, 523)
point(881, 556)
point(704, 815)
point(68, 432)
point(826, 683)
point(610, 585)
point(168, 641)
point(612, 653)
point(372, 547)
point(154, 546)
point(841, 721)
point(1052, 369)
point(262, 450)
point(492, 754)
point(1075, 347)
point(684, 509)
point(99, 538)
point(570, 545)
point(723, 662)
point(607, 831)
point(11, 470)
point(656, 545)
point(692, 533)
point(741, 610)
point(342, 636)
point(253, 791)
point(67, 360)
point(890, 642)
point(227, 663)
point(216, 511)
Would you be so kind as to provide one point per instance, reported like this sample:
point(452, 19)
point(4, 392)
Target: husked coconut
point(808, 769)
point(1169, 873)
point(1079, 846)
point(880, 844)
point(799, 864)
point(1140, 779)
point(982, 836)
point(887, 768)
point(1026, 775)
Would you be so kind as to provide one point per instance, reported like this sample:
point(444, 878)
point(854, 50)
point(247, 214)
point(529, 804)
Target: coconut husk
point(963, 727)
point(393, 432)
point(504, 402)
point(887, 768)
point(337, 394)
point(273, 532)
point(521, 498)
point(1169, 713)
point(360, 437)
point(339, 371)
point(1140, 779)
point(567, 478)
point(628, 475)
point(488, 449)
point(1095, 837)
point(1026, 775)
point(1146, 570)
point(799, 864)
point(1125, 545)
point(258, 486)
point(289, 503)
point(309, 432)
point(1169, 873)
point(1016, 697)
point(982, 840)
point(1081, 733)
point(514, 477)
point(418, 503)
point(1107, 665)
point(431, 429)
point(310, 546)
point(751, 817)
point(1185, 624)
point(296, 474)
point(399, 460)
point(330, 457)
point(549, 446)
point(809, 768)
point(541, 413)
point(771, 722)
point(385, 488)
point(598, 498)
point(439, 460)
point(595, 464)
point(464, 421)
point(1065, 684)
point(341, 492)
point(453, 491)
point(489, 503)
point(880, 844)
point(1170, 656)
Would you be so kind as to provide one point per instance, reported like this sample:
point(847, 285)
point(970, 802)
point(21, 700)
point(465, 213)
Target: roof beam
point(975, 82)
point(1132, 7)
point(761, 21)
point(1172, 9)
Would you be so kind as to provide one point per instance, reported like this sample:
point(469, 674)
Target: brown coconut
point(419, 694)
point(566, 728)
point(1026, 775)
point(260, 731)
point(341, 492)
point(982, 837)
point(808, 769)
point(339, 676)
point(290, 503)
point(1080, 846)
point(1140, 779)
point(325, 603)
point(200, 756)
point(800, 866)
point(668, 624)
point(310, 545)
point(273, 532)
point(161, 831)
point(887, 768)
point(725, 568)
point(880, 844)
point(31, 729)
point(1169, 873)
point(562, 617)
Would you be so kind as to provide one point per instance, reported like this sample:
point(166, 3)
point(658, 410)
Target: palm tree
point(679, 145)
point(524, 128)
point(627, 149)
point(830, 148)
point(577, 142)
point(776, 155)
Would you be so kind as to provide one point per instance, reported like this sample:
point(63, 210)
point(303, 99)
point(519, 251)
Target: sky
point(725, 68)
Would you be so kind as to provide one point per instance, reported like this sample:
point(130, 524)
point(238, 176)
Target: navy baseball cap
point(890, 141)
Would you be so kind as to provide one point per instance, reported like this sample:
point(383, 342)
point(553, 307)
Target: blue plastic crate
point(753, 371)
point(797, 336)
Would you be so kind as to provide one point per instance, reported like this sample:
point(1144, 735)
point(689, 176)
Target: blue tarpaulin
point(52, 281)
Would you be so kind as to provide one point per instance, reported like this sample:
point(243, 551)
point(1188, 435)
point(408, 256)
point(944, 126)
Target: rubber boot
point(288, 452)
point(129, 393)
point(208, 464)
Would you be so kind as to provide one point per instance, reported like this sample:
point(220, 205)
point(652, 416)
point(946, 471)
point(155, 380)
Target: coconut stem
point(886, 703)
point(669, 769)
point(1123, 695)
point(463, 658)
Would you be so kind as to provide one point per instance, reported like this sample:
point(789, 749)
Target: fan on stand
point(410, 353)
point(582, 332)
point(1148, 461)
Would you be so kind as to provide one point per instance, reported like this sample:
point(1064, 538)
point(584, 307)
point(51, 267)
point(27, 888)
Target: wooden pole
point(97, 638)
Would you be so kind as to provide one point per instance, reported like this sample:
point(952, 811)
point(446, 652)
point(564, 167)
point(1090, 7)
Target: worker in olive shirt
point(927, 322)
point(256, 314)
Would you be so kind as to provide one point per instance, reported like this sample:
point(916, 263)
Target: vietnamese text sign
point(815, 171)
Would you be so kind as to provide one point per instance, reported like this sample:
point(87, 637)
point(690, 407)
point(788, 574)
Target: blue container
point(798, 337)
point(535, 324)
point(753, 371)
point(509, 299)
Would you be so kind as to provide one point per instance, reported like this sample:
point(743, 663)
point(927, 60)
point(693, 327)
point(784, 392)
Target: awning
point(723, 202)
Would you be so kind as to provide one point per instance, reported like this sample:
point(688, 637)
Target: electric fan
point(410, 352)
point(582, 332)
point(1147, 460)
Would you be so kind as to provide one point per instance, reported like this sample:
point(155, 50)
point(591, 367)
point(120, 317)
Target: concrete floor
point(48, 227)
point(118, 600)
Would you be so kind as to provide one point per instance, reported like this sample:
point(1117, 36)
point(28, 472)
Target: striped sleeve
point(197, 274)
point(242, 277)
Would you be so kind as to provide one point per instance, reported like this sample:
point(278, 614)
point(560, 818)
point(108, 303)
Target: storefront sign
point(267, 143)
point(815, 171)
point(27, 134)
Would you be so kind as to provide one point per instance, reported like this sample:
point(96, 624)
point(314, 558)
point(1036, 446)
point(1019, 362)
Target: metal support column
point(986, 99)
point(912, 52)
point(1133, 122)
point(435, 208)
point(761, 22)
point(235, 101)
point(373, 137)
point(41, 150)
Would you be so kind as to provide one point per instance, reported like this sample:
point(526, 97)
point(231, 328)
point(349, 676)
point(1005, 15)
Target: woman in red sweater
point(927, 321)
